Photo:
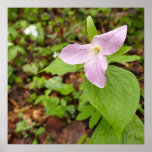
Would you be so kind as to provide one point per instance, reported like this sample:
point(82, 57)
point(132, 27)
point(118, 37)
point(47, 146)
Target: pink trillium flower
point(93, 55)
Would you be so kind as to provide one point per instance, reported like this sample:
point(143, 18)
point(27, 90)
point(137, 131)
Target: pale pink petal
point(76, 54)
point(95, 70)
point(110, 42)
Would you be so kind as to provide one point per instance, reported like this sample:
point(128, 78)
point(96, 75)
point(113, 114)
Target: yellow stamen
point(96, 49)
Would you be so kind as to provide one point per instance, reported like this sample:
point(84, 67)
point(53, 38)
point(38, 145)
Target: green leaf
point(54, 83)
point(89, 111)
point(66, 89)
point(44, 17)
point(104, 134)
point(91, 29)
point(39, 131)
point(63, 102)
point(82, 100)
point(21, 24)
point(50, 102)
point(58, 47)
point(19, 115)
point(52, 107)
point(9, 87)
point(41, 82)
point(55, 111)
point(141, 109)
point(31, 68)
point(21, 50)
point(122, 50)
point(118, 100)
point(86, 112)
point(59, 67)
point(10, 71)
point(70, 109)
point(13, 33)
point(88, 141)
point(83, 116)
point(40, 38)
point(43, 63)
point(59, 111)
point(32, 97)
point(82, 138)
point(18, 79)
point(76, 94)
point(94, 119)
point(47, 92)
point(21, 125)
point(122, 58)
point(13, 51)
point(35, 141)
point(133, 133)
point(142, 93)
point(32, 85)
point(41, 98)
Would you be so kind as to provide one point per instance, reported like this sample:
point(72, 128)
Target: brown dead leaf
point(13, 102)
point(54, 124)
point(17, 141)
point(28, 140)
point(36, 115)
point(73, 132)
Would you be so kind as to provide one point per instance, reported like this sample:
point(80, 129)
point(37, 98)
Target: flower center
point(96, 49)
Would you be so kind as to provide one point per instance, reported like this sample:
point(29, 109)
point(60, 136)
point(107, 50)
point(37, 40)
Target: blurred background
point(35, 38)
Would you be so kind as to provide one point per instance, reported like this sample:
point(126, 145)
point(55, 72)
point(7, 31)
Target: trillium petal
point(95, 70)
point(76, 54)
point(110, 42)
